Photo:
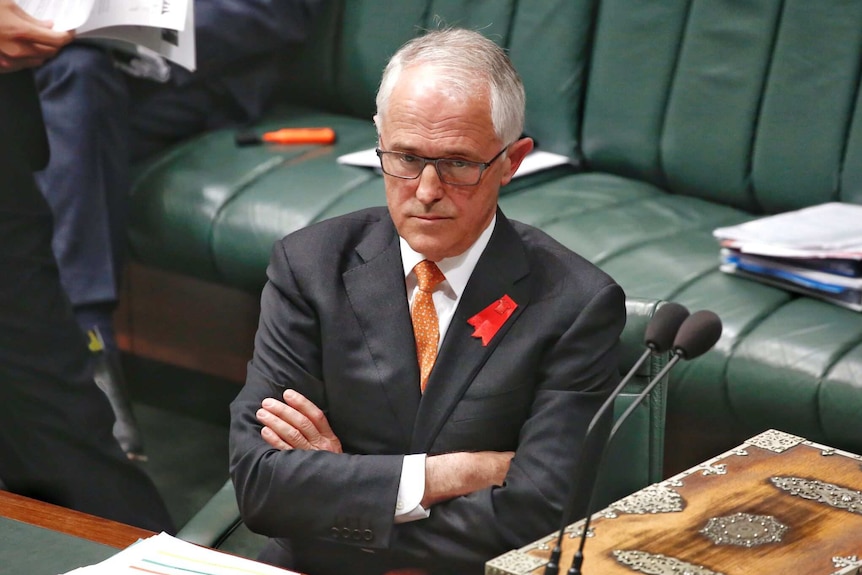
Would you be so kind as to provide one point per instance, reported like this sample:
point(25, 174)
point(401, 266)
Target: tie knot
point(428, 275)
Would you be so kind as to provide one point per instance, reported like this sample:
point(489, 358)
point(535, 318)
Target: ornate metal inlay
point(720, 469)
point(821, 492)
point(775, 441)
point(655, 498)
point(513, 563)
point(659, 564)
point(744, 529)
point(577, 531)
point(845, 563)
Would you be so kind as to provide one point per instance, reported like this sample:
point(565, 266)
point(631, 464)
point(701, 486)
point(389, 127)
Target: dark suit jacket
point(335, 326)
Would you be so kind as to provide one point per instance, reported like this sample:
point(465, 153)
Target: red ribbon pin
point(488, 321)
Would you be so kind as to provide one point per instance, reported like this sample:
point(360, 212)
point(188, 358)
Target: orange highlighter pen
point(286, 136)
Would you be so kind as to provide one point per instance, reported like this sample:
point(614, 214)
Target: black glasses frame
point(425, 161)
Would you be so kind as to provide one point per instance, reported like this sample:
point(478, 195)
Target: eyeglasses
point(453, 172)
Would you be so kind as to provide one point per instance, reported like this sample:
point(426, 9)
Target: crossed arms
point(299, 424)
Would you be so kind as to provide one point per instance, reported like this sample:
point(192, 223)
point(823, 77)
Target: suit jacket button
point(368, 534)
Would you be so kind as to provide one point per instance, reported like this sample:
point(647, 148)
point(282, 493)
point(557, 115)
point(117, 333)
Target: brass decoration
point(821, 492)
point(577, 531)
point(775, 441)
point(658, 564)
point(846, 565)
point(720, 469)
point(652, 499)
point(744, 529)
point(513, 563)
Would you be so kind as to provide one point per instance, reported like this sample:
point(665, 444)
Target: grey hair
point(472, 63)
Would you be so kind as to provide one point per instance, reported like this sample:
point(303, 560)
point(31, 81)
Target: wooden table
point(40, 538)
point(778, 504)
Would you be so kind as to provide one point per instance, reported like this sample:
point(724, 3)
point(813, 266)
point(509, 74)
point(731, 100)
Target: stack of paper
point(816, 251)
point(166, 555)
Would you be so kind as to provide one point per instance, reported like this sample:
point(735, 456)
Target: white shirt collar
point(457, 269)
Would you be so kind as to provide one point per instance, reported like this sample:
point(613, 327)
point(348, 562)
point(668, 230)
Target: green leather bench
point(678, 116)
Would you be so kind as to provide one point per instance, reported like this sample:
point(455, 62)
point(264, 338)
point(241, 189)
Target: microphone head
point(662, 328)
point(697, 334)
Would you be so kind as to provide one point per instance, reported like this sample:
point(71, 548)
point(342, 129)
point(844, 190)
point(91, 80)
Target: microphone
point(697, 334)
point(658, 338)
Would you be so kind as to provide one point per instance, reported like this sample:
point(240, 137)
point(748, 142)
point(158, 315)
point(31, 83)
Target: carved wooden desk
point(777, 504)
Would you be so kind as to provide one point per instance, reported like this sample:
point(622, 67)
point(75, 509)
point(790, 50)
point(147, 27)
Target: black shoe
point(108, 374)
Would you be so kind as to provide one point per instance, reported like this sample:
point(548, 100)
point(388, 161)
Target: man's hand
point(296, 424)
point(26, 42)
point(451, 475)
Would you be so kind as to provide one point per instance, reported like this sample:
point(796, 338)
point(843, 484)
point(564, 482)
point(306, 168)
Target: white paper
point(163, 26)
point(66, 14)
point(172, 556)
point(535, 161)
point(176, 46)
point(170, 14)
point(832, 228)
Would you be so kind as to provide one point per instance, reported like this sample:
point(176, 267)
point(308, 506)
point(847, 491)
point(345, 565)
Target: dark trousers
point(98, 121)
point(55, 424)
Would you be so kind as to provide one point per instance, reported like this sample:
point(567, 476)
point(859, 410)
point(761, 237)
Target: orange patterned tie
point(426, 328)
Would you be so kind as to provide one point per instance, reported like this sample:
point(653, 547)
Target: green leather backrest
point(749, 104)
point(340, 67)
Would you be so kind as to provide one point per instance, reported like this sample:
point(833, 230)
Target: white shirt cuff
point(411, 490)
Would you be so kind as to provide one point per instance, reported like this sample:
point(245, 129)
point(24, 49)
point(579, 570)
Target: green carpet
point(184, 420)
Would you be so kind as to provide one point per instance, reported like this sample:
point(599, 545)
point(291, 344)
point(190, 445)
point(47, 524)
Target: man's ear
point(516, 154)
point(376, 119)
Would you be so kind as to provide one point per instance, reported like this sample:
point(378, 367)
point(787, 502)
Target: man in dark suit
point(55, 424)
point(344, 448)
point(100, 120)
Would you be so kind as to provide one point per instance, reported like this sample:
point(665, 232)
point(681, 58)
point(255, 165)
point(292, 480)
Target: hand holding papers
point(816, 251)
point(165, 27)
point(166, 555)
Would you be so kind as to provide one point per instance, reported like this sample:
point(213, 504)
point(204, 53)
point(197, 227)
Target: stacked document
point(816, 251)
point(165, 555)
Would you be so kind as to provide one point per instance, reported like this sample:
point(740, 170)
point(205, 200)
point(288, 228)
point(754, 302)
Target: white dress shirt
point(446, 296)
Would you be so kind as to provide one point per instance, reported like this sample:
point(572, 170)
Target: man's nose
point(429, 187)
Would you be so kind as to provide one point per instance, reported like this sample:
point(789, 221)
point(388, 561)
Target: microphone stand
point(697, 334)
point(659, 337)
point(553, 567)
point(578, 559)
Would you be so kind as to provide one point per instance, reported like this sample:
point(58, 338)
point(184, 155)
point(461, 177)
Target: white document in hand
point(164, 26)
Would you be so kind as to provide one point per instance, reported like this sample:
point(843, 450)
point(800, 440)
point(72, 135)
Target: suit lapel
point(501, 270)
point(377, 293)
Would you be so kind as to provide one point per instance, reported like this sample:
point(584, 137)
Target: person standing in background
point(56, 441)
point(100, 119)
